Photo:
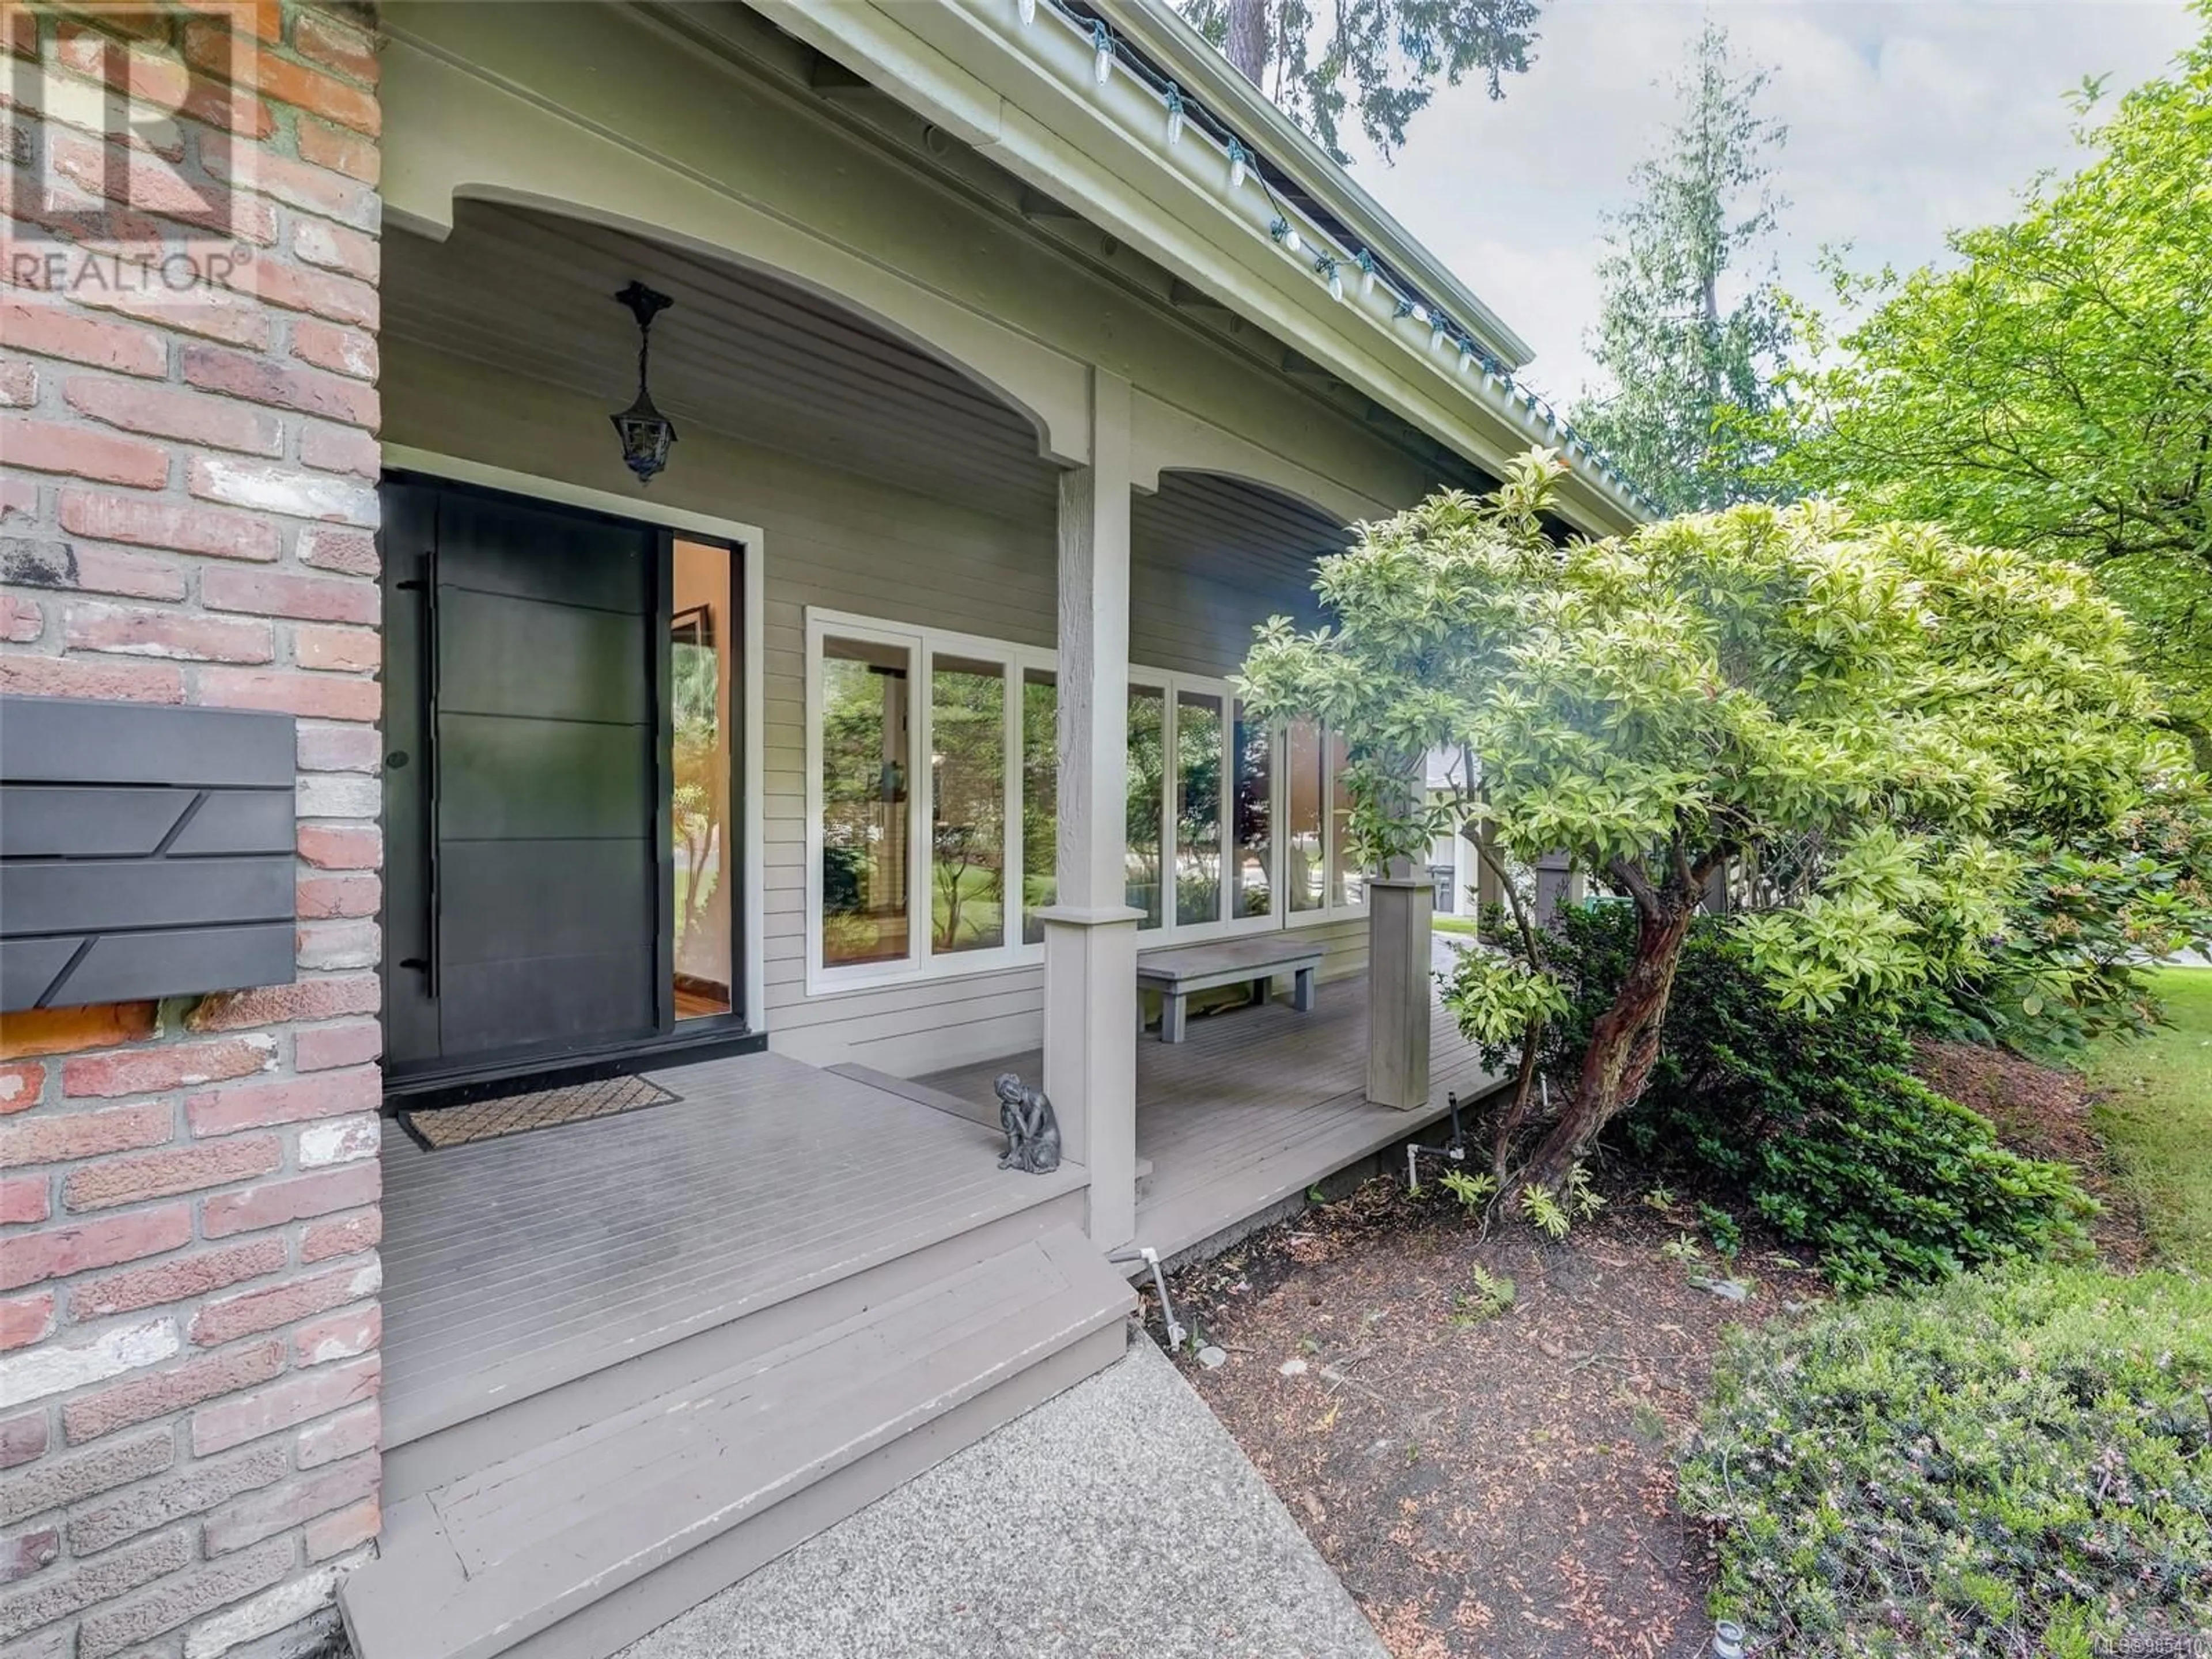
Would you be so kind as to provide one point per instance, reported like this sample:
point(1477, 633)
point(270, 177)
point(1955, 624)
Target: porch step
point(578, 1545)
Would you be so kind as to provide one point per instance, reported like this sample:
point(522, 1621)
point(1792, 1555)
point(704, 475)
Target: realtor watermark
point(135, 136)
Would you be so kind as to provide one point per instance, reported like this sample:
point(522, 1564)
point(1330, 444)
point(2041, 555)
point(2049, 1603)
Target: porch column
point(1090, 932)
point(1401, 911)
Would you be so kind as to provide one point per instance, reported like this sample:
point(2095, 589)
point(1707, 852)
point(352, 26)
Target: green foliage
point(1492, 1295)
point(1377, 62)
point(2008, 1465)
point(1723, 1229)
point(1813, 1119)
point(1545, 1213)
point(1675, 358)
point(1472, 1188)
point(2049, 388)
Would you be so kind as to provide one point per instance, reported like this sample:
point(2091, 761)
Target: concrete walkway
point(1118, 1521)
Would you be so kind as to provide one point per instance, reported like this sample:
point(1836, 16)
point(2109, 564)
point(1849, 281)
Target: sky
point(1906, 117)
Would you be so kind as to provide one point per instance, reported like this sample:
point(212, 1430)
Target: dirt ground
point(1501, 1484)
point(1497, 1486)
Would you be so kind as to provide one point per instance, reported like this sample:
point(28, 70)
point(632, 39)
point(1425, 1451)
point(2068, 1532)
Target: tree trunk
point(1624, 1043)
point(1248, 38)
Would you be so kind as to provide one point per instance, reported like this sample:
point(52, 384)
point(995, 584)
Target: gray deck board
point(512, 1266)
point(1257, 1104)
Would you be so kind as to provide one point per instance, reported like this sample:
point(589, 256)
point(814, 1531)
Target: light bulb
point(1175, 123)
point(1102, 53)
point(1420, 313)
point(1290, 240)
point(1335, 284)
point(1236, 165)
point(1026, 10)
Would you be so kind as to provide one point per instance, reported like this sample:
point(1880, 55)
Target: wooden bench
point(1177, 971)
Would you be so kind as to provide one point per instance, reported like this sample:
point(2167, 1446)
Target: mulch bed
point(1497, 1486)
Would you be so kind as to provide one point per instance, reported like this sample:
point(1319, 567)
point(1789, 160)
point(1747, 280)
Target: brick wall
point(189, 1284)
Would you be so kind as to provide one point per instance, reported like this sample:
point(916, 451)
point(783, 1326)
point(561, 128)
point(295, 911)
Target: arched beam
point(453, 134)
point(1166, 439)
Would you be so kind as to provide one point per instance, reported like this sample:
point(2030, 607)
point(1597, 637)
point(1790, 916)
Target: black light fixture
point(645, 432)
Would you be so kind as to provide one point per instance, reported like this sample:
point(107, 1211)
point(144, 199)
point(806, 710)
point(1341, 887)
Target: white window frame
point(924, 645)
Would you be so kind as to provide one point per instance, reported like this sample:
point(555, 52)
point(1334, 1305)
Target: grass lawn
point(2156, 1116)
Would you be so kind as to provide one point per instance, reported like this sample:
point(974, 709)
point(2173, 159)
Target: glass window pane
point(1348, 882)
point(1253, 816)
point(1147, 779)
point(865, 863)
point(1198, 808)
point(702, 678)
point(1302, 873)
point(1039, 798)
point(968, 805)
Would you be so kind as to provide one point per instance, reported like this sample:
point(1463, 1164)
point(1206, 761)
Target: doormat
point(439, 1127)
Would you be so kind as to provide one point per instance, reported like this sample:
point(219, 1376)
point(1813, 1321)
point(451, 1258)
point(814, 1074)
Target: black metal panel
point(145, 851)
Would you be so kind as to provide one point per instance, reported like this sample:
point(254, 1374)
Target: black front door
point(526, 892)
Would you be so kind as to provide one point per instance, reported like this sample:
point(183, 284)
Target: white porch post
point(1090, 932)
point(1400, 913)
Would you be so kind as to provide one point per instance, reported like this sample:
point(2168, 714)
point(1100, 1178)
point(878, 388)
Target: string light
point(1327, 265)
point(1026, 10)
point(1174, 115)
point(1286, 233)
point(1101, 51)
point(1237, 157)
point(1366, 273)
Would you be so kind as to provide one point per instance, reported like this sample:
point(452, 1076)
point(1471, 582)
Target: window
point(933, 819)
point(702, 677)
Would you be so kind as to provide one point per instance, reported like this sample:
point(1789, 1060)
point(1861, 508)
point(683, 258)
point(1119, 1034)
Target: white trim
point(752, 543)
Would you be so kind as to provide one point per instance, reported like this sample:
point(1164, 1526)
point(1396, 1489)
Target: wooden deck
point(514, 1266)
point(1256, 1105)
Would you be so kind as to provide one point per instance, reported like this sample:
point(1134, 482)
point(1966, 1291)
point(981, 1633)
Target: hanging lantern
point(646, 432)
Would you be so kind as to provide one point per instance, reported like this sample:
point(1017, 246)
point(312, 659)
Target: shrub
point(1815, 1121)
point(2008, 1465)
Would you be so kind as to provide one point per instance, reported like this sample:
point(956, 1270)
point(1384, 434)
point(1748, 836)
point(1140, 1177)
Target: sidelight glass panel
point(968, 805)
point(1303, 873)
point(1146, 797)
point(865, 865)
point(1348, 881)
point(1039, 798)
point(1252, 817)
point(1198, 808)
point(702, 681)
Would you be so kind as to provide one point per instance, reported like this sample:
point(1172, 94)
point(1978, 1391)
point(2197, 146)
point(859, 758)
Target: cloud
point(1907, 119)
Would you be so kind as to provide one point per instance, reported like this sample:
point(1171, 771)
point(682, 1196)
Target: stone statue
point(1032, 1131)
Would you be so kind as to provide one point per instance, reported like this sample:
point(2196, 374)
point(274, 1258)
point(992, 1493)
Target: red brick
point(311, 189)
point(156, 1174)
point(176, 1601)
point(349, 1236)
point(336, 247)
point(28, 1553)
point(334, 146)
point(326, 897)
point(258, 379)
point(260, 1515)
point(308, 598)
point(190, 417)
point(322, 292)
point(19, 496)
point(313, 696)
point(275, 1005)
point(185, 527)
point(60, 1137)
point(49, 446)
point(282, 1100)
point(21, 620)
point(341, 350)
point(337, 748)
point(339, 945)
point(207, 48)
point(334, 1534)
point(269, 488)
point(274, 1203)
point(296, 1400)
point(323, 1047)
point(342, 449)
point(177, 1278)
point(276, 1305)
point(56, 328)
point(71, 1030)
point(149, 186)
point(24, 1199)
point(56, 1595)
point(76, 567)
point(23, 1440)
point(20, 1086)
point(341, 1336)
point(31, 1258)
point(350, 552)
point(192, 1491)
point(150, 76)
point(173, 1065)
point(158, 1396)
point(336, 45)
point(172, 635)
point(74, 1476)
point(22, 31)
point(218, 313)
point(342, 847)
point(97, 681)
point(25, 1319)
point(19, 383)
point(262, 18)
point(355, 1430)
